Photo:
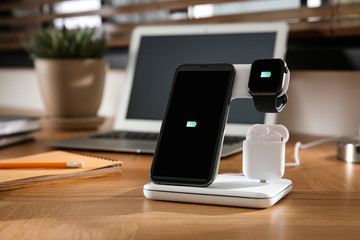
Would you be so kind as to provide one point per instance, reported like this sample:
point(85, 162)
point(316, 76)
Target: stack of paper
point(15, 129)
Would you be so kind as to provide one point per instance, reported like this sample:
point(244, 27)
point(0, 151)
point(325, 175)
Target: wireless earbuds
point(264, 152)
point(271, 137)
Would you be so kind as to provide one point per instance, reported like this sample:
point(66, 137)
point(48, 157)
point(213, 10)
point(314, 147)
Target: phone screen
point(189, 145)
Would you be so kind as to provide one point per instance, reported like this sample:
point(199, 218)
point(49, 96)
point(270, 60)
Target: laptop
point(154, 54)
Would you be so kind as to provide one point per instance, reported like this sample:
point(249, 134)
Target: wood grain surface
point(324, 203)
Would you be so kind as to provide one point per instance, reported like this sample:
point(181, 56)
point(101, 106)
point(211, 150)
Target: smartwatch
point(268, 83)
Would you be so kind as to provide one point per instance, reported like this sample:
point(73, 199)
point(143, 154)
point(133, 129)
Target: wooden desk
point(324, 203)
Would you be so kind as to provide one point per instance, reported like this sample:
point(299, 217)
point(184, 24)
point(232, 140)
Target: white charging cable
point(299, 145)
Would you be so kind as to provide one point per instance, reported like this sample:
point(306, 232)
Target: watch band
point(270, 103)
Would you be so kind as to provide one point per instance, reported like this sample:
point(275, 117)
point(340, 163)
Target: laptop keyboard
point(152, 136)
point(128, 135)
point(230, 140)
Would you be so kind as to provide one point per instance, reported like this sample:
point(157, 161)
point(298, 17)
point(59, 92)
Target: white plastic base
point(227, 189)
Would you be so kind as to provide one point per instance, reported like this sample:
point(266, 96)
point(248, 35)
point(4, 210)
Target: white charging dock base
point(227, 189)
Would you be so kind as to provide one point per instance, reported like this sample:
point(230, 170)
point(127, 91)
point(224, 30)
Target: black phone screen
point(189, 144)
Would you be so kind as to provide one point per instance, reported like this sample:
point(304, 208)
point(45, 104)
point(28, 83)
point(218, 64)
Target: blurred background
point(323, 51)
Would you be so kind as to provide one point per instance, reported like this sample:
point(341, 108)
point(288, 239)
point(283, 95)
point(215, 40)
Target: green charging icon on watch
point(265, 74)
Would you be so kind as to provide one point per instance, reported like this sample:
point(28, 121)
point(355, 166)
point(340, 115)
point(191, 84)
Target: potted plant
point(70, 70)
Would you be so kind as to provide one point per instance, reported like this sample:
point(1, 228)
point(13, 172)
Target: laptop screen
point(159, 56)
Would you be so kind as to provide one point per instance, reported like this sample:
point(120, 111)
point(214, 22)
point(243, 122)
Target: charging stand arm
point(240, 88)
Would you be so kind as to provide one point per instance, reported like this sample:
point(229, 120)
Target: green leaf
point(65, 43)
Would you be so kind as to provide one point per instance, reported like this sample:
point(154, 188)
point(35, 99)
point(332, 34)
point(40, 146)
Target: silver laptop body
point(154, 54)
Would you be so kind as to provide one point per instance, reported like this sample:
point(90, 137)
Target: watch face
point(266, 76)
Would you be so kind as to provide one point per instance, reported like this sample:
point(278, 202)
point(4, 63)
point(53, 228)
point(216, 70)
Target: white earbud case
point(264, 152)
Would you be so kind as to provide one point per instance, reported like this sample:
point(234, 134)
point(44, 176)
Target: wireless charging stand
point(235, 189)
point(228, 190)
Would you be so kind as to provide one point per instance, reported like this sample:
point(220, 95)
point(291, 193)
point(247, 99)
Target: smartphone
point(189, 146)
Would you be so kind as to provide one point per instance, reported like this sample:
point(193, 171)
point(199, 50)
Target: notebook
point(154, 54)
point(20, 178)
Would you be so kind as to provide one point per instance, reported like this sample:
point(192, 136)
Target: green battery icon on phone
point(191, 124)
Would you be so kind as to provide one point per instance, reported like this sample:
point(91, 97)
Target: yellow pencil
point(42, 165)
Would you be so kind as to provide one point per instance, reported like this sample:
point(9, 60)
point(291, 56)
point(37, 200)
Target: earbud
point(273, 137)
point(253, 136)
